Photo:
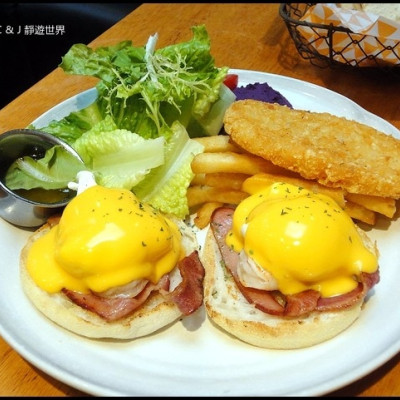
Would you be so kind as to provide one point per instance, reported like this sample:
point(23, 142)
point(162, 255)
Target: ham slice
point(274, 302)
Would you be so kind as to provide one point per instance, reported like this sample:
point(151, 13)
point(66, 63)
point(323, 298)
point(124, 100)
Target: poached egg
point(106, 238)
point(292, 239)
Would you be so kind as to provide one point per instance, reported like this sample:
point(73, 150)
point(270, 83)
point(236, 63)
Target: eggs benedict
point(287, 268)
point(112, 266)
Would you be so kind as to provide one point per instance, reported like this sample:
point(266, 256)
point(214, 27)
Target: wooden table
point(244, 36)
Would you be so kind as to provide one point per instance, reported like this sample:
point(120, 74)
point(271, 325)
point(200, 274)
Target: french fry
point(220, 179)
point(203, 216)
point(198, 195)
point(382, 205)
point(359, 212)
point(218, 144)
point(207, 163)
point(225, 180)
point(254, 183)
point(198, 179)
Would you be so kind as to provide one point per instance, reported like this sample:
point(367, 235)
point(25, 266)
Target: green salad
point(138, 133)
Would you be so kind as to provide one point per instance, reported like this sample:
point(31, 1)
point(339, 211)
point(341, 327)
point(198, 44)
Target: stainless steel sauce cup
point(14, 208)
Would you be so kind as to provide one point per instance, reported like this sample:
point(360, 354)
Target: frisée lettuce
point(145, 89)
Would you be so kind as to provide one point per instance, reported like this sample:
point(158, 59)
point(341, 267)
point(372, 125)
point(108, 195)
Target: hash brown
point(335, 151)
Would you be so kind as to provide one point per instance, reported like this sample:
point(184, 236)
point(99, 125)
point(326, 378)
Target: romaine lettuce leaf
point(165, 186)
point(118, 157)
point(74, 124)
point(53, 171)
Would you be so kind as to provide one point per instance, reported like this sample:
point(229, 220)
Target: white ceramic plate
point(193, 358)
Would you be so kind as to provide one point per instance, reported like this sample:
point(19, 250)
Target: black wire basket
point(292, 13)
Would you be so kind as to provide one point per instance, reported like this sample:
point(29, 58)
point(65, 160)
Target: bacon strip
point(112, 309)
point(274, 302)
point(221, 223)
point(367, 281)
point(188, 295)
point(301, 303)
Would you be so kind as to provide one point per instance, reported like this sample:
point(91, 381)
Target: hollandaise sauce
point(305, 240)
point(105, 238)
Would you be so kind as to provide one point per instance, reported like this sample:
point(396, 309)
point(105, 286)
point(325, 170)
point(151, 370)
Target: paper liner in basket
point(374, 39)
